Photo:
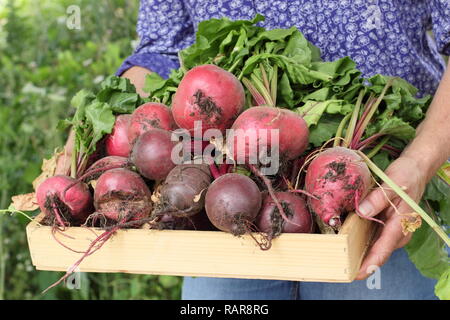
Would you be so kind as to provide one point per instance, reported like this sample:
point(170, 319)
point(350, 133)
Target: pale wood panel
point(303, 257)
point(360, 233)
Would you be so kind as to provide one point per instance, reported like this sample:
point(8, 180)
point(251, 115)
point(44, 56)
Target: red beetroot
point(117, 143)
point(232, 203)
point(338, 178)
point(152, 152)
point(121, 195)
point(72, 207)
point(148, 116)
point(292, 130)
point(208, 94)
point(270, 221)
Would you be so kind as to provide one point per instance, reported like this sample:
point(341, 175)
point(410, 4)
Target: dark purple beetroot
point(152, 152)
point(232, 203)
point(183, 192)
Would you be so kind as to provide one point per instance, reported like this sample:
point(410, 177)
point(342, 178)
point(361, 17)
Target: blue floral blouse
point(383, 36)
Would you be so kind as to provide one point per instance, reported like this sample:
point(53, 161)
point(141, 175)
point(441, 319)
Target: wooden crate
point(302, 257)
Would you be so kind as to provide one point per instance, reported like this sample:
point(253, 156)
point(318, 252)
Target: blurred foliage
point(42, 64)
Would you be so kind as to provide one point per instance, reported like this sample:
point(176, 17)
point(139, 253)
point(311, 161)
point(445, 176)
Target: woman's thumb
point(375, 202)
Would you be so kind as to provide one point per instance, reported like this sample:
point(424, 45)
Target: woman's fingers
point(390, 238)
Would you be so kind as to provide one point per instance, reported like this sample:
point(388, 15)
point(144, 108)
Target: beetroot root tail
point(265, 241)
point(93, 247)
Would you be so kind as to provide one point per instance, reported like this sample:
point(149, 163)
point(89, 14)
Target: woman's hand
point(137, 75)
point(406, 172)
point(415, 167)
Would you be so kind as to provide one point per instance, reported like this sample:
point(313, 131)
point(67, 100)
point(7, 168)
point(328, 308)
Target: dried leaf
point(156, 196)
point(198, 196)
point(25, 202)
point(48, 168)
point(411, 223)
point(93, 183)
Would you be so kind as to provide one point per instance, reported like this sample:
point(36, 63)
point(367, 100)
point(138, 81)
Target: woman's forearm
point(137, 77)
point(431, 146)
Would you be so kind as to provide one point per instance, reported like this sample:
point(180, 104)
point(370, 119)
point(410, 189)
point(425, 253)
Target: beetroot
point(64, 208)
point(270, 221)
point(148, 116)
point(121, 195)
point(183, 191)
point(152, 152)
point(292, 131)
point(232, 203)
point(338, 178)
point(208, 94)
point(117, 143)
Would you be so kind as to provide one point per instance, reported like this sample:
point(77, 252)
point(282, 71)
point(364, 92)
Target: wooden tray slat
point(302, 257)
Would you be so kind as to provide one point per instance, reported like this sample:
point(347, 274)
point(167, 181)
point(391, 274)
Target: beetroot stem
point(305, 193)
point(264, 77)
point(91, 249)
point(259, 85)
point(274, 84)
point(260, 101)
point(370, 112)
point(365, 111)
point(214, 171)
point(378, 147)
point(353, 120)
point(338, 136)
point(87, 174)
point(365, 143)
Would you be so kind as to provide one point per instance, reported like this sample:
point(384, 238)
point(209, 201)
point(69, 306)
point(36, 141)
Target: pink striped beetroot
point(149, 116)
point(117, 143)
point(337, 178)
point(208, 94)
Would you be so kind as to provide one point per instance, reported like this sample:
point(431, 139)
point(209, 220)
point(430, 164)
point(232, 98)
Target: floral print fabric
point(383, 36)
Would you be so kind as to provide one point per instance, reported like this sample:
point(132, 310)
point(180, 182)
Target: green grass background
point(42, 64)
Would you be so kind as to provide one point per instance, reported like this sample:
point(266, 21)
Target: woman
point(387, 37)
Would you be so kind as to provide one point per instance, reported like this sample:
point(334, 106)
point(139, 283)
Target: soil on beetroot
point(337, 171)
point(127, 206)
point(52, 204)
point(148, 124)
point(207, 106)
point(355, 186)
point(277, 221)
